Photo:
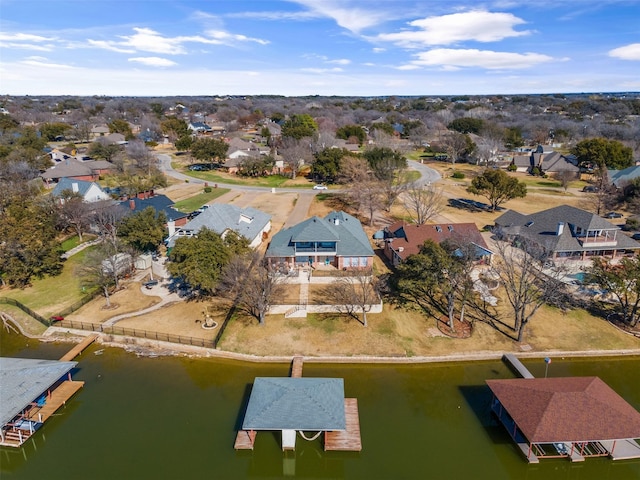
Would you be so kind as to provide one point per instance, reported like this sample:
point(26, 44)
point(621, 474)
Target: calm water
point(175, 418)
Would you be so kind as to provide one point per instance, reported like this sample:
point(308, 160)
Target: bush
point(512, 168)
point(457, 175)
point(207, 189)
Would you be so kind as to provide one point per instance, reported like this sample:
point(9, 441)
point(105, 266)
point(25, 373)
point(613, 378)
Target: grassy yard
point(50, 295)
point(195, 202)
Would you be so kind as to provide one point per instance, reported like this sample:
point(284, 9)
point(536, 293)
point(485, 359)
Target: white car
point(320, 187)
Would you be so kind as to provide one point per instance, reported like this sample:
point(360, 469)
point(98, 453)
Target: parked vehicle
point(150, 284)
point(613, 215)
point(320, 187)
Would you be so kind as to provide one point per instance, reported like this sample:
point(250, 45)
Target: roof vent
point(528, 224)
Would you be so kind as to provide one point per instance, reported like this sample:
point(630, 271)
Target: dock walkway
point(296, 368)
point(79, 348)
point(348, 440)
point(512, 360)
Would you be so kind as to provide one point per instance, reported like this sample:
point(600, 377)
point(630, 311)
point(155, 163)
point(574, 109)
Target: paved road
point(427, 176)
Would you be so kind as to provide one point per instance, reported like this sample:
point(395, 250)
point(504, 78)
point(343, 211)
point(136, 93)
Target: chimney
point(336, 221)
point(171, 225)
point(74, 187)
point(560, 228)
point(132, 204)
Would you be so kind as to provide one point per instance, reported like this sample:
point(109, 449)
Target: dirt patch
point(460, 329)
point(129, 299)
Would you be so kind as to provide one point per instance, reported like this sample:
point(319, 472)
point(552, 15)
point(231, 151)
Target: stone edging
point(145, 347)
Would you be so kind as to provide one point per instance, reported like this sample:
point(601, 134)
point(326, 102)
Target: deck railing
point(136, 332)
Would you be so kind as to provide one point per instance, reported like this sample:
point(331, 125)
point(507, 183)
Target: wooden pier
point(296, 368)
point(511, 360)
point(348, 440)
point(245, 440)
point(55, 399)
point(79, 348)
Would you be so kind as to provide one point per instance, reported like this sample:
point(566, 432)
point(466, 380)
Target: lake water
point(176, 418)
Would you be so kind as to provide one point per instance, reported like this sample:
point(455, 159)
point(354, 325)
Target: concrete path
point(80, 247)
point(156, 291)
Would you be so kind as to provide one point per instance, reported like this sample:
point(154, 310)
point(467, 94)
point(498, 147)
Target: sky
point(318, 47)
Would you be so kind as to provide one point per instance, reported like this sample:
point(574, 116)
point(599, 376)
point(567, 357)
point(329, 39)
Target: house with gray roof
point(89, 170)
point(622, 178)
point(568, 232)
point(90, 191)
point(335, 241)
point(248, 222)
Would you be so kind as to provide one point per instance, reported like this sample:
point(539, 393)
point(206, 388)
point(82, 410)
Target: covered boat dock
point(572, 417)
point(299, 405)
point(32, 390)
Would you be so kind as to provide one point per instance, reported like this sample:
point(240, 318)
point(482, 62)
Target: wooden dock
point(55, 399)
point(245, 440)
point(296, 368)
point(511, 360)
point(79, 348)
point(348, 440)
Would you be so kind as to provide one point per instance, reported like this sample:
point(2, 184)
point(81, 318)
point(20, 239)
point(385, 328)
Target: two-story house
point(336, 241)
point(567, 232)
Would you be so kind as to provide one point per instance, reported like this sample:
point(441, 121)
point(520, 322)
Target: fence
point(25, 309)
point(134, 332)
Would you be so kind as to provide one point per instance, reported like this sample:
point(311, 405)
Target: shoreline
point(156, 348)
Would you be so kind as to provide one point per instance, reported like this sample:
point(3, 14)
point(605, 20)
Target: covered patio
point(573, 417)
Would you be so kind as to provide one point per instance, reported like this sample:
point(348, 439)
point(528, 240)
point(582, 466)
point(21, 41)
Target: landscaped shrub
point(512, 168)
point(457, 175)
point(207, 189)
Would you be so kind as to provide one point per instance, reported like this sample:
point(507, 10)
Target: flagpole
point(547, 361)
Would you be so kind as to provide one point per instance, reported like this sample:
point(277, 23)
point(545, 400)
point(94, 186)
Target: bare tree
point(141, 156)
point(103, 267)
point(529, 279)
point(423, 202)
point(74, 212)
point(253, 284)
point(353, 293)
point(105, 219)
point(295, 153)
point(565, 177)
point(455, 144)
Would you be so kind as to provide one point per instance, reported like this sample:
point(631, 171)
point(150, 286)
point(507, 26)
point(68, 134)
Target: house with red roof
point(403, 239)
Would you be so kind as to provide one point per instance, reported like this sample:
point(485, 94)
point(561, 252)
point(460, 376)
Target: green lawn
point(193, 203)
point(74, 241)
point(50, 295)
point(272, 181)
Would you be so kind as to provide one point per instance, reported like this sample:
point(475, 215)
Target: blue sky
point(318, 47)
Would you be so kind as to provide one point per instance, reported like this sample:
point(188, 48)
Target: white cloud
point(448, 57)
point(352, 18)
point(322, 70)
point(43, 62)
point(153, 61)
point(340, 61)
point(24, 37)
point(147, 40)
point(480, 26)
point(26, 41)
point(379, 50)
point(628, 52)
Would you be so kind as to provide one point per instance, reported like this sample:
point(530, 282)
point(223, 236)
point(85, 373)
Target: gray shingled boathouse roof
point(284, 403)
point(23, 380)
